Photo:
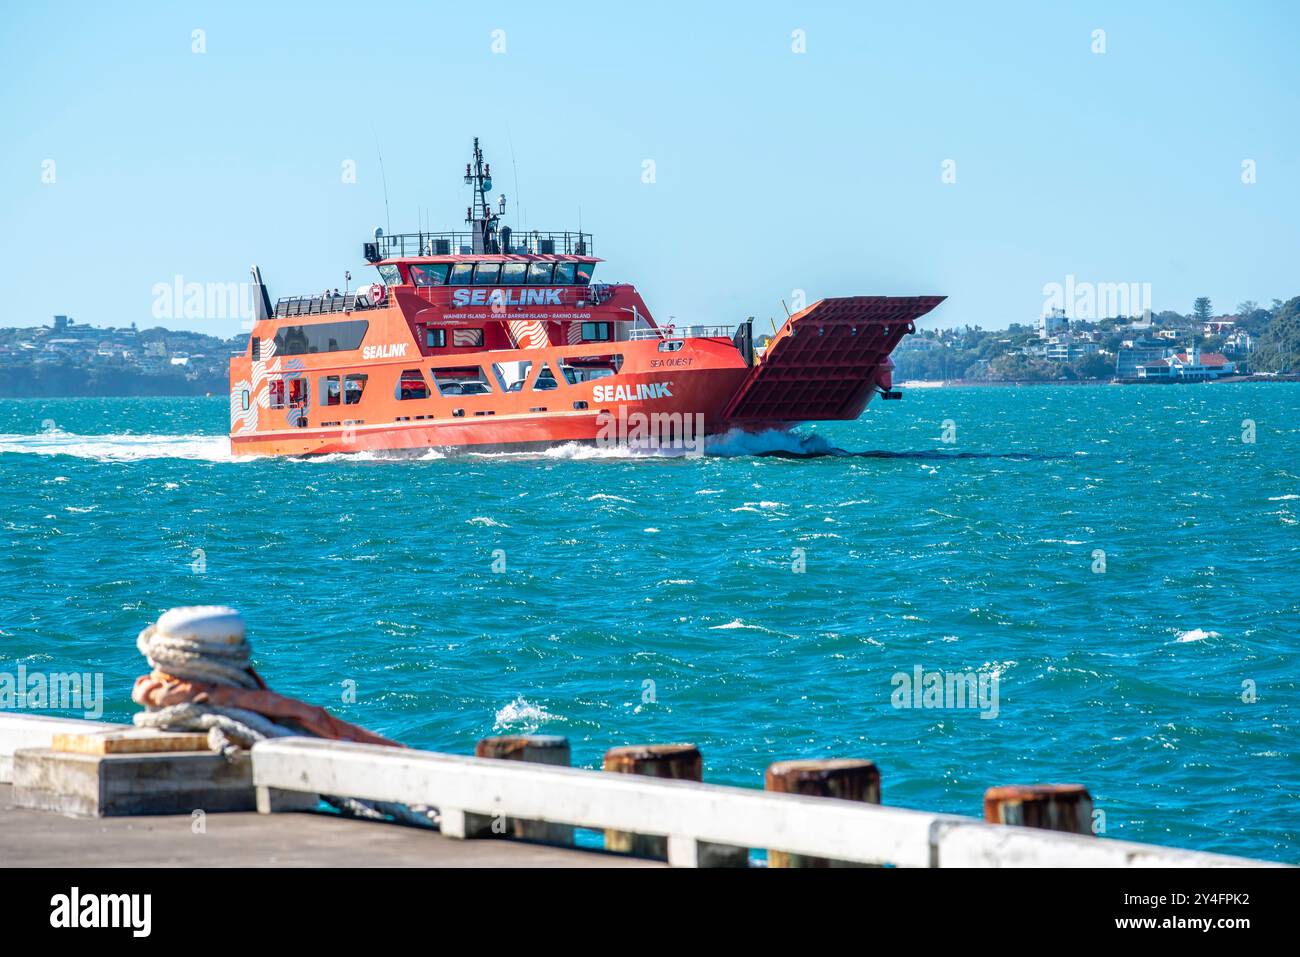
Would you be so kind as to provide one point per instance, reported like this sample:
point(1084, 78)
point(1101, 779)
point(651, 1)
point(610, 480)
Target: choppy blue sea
point(648, 599)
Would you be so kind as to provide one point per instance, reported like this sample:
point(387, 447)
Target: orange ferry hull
point(826, 362)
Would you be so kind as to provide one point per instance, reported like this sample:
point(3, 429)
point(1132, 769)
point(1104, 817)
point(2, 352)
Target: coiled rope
point(202, 680)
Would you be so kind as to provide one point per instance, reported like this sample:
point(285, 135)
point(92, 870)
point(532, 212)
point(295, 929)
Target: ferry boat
point(493, 339)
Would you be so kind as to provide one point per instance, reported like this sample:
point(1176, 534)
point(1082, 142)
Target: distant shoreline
point(993, 383)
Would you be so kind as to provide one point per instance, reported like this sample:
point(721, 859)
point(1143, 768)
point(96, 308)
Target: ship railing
point(682, 332)
point(312, 305)
point(523, 242)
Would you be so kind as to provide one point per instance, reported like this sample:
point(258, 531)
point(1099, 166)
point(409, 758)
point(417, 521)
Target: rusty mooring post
point(849, 779)
point(679, 761)
point(536, 749)
point(1053, 807)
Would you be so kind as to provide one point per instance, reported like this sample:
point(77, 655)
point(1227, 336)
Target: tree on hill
point(1018, 367)
point(1279, 344)
point(1252, 318)
point(1095, 366)
point(1202, 309)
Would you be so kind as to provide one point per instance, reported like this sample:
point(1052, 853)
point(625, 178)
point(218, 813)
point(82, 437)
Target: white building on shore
point(1190, 366)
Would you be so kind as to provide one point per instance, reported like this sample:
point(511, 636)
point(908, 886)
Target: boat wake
point(121, 447)
point(125, 447)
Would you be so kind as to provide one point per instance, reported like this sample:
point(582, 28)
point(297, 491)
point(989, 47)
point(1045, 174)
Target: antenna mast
point(480, 215)
point(388, 219)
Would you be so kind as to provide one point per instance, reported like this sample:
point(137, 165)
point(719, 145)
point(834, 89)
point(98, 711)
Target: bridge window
point(320, 337)
point(460, 274)
point(564, 274)
point(430, 274)
point(463, 380)
point(584, 273)
point(412, 385)
point(390, 275)
point(539, 274)
point(512, 375)
point(487, 274)
point(513, 274)
point(435, 338)
point(353, 387)
point(590, 368)
point(595, 331)
point(330, 394)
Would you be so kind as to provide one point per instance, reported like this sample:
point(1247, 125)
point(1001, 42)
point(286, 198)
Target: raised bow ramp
point(828, 359)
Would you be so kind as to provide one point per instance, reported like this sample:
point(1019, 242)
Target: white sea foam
point(522, 713)
point(737, 625)
point(126, 447)
point(1196, 634)
point(1282, 498)
point(488, 522)
point(119, 447)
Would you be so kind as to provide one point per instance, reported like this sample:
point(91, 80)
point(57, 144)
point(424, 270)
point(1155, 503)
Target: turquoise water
point(621, 571)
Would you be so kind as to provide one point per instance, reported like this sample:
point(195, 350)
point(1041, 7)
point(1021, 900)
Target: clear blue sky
point(775, 170)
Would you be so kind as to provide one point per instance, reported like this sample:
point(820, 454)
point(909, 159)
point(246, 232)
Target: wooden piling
point(535, 749)
point(1052, 807)
point(681, 762)
point(847, 779)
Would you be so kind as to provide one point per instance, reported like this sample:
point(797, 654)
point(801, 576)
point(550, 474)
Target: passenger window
point(435, 338)
point(487, 274)
point(595, 331)
point(584, 273)
point(512, 274)
point(539, 274)
point(329, 390)
point(245, 400)
point(430, 274)
point(353, 388)
point(545, 379)
point(257, 349)
point(590, 368)
point(512, 375)
point(412, 385)
point(465, 380)
point(460, 274)
point(563, 274)
point(671, 345)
